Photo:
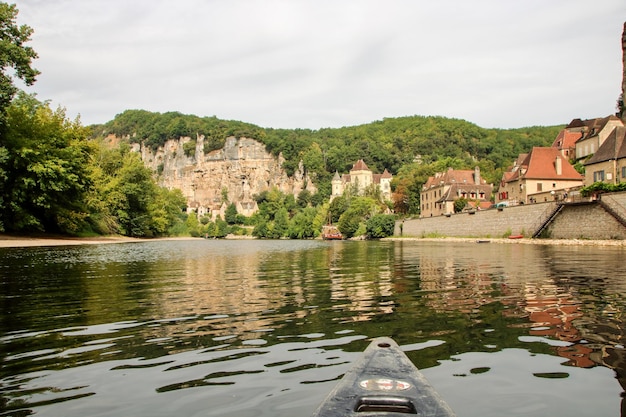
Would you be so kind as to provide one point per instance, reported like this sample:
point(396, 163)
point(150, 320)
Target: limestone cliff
point(242, 167)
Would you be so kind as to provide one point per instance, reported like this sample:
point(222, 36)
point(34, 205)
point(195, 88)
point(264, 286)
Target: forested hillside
point(411, 148)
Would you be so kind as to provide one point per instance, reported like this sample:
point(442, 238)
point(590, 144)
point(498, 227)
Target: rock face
point(242, 168)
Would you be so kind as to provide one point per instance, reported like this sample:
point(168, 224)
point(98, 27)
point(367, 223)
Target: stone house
point(199, 209)
point(361, 177)
point(441, 191)
point(566, 140)
point(608, 164)
point(544, 174)
point(593, 133)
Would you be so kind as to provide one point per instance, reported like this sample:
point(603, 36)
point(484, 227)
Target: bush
point(602, 187)
point(190, 148)
point(380, 225)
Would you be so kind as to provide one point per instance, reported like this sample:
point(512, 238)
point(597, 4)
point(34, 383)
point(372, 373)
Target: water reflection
point(284, 319)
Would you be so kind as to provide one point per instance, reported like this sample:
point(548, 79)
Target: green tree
point(280, 226)
point(193, 224)
point(313, 159)
point(289, 202)
point(14, 55)
point(222, 228)
point(353, 219)
point(305, 198)
point(459, 204)
point(380, 225)
point(166, 210)
point(302, 225)
point(189, 148)
point(261, 228)
point(337, 207)
point(129, 194)
point(231, 214)
point(45, 166)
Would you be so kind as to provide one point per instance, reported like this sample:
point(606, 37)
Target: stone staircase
point(546, 218)
point(615, 205)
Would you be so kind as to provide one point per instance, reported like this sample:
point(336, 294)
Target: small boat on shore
point(516, 236)
point(330, 232)
point(385, 383)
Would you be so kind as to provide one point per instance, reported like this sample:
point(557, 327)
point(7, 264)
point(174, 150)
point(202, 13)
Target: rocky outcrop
point(242, 168)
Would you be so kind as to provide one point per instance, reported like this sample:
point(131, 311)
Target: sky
point(330, 63)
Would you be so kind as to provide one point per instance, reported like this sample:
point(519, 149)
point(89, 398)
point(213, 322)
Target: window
point(539, 186)
point(598, 176)
point(623, 172)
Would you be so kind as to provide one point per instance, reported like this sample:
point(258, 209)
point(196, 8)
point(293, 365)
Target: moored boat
point(330, 232)
point(385, 383)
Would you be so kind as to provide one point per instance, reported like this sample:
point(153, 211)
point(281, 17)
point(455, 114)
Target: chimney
point(477, 176)
point(558, 164)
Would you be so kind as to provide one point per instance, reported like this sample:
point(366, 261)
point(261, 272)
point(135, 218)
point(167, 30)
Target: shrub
point(380, 225)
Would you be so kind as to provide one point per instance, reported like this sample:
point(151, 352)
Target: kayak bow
point(383, 382)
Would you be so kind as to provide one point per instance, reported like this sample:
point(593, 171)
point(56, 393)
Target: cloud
point(314, 64)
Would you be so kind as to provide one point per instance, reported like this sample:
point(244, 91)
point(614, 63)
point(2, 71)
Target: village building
point(441, 191)
point(593, 133)
point(544, 174)
point(608, 164)
point(566, 141)
point(360, 179)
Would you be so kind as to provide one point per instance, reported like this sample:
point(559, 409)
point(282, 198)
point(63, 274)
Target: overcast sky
point(330, 63)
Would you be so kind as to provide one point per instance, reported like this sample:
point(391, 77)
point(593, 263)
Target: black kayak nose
point(383, 382)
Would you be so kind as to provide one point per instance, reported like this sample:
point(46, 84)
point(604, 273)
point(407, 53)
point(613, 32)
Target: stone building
point(361, 178)
point(441, 191)
point(593, 133)
point(608, 164)
point(543, 175)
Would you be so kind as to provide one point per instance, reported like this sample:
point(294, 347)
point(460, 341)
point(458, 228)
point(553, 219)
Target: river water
point(266, 328)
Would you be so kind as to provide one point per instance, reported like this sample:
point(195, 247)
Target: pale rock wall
point(242, 166)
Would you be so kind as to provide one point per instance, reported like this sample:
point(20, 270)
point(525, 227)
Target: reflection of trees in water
point(475, 297)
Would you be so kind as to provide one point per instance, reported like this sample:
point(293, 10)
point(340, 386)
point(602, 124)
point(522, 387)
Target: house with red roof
point(361, 178)
point(544, 174)
point(608, 164)
point(441, 191)
point(566, 142)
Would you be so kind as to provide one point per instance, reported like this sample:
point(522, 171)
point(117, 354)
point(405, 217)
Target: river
point(267, 328)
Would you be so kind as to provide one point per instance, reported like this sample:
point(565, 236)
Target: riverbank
point(523, 241)
point(8, 241)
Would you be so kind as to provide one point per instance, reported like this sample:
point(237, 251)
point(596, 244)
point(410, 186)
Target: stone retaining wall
point(585, 221)
point(575, 221)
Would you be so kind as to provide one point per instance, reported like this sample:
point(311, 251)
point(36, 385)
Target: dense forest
point(390, 143)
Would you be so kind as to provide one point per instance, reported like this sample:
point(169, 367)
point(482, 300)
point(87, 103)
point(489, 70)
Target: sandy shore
point(22, 242)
